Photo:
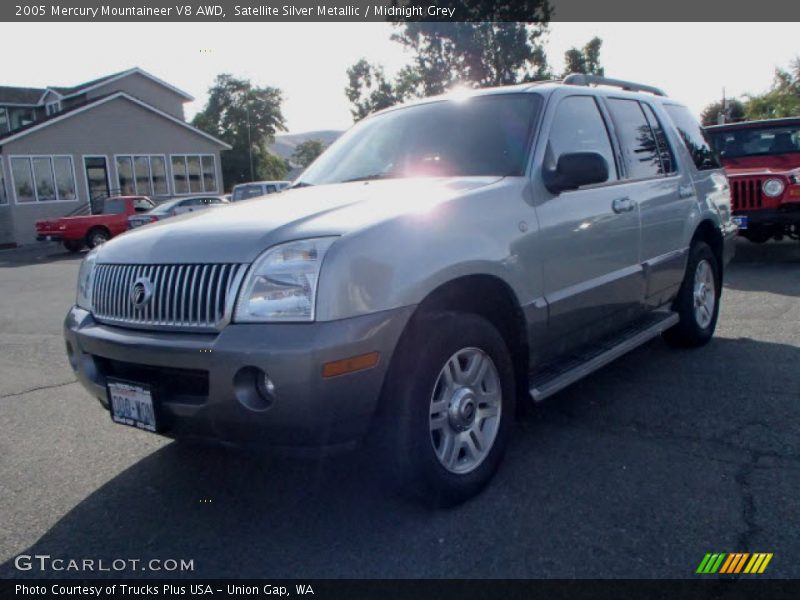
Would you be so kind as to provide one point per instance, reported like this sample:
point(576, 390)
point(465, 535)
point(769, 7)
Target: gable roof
point(71, 112)
point(20, 95)
point(31, 96)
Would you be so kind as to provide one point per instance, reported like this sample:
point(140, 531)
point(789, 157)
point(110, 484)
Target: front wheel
point(450, 395)
point(97, 237)
point(697, 303)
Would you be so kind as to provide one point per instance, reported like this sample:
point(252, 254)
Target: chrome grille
point(194, 297)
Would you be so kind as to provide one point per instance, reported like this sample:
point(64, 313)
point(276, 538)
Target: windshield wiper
point(367, 177)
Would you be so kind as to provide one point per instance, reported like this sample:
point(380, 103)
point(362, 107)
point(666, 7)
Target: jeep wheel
point(97, 237)
point(451, 403)
point(697, 303)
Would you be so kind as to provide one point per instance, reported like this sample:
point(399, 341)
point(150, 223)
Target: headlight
point(773, 187)
point(86, 281)
point(282, 283)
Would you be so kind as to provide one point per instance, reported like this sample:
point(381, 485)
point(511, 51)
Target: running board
point(557, 376)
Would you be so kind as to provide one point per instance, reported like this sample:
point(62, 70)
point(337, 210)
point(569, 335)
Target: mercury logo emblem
point(141, 292)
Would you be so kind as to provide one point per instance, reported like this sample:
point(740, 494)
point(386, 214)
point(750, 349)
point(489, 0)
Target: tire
point(73, 246)
point(697, 304)
point(97, 237)
point(441, 441)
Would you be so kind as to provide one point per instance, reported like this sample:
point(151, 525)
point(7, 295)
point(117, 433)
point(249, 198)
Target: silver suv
point(440, 263)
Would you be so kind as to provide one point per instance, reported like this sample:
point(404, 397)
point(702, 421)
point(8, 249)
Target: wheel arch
point(708, 232)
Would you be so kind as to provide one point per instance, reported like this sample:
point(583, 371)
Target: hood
point(241, 231)
point(769, 163)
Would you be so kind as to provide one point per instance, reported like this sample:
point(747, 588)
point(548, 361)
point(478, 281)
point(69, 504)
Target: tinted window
point(242, 192)
point(693, 137)
point(114, 206)
point(664, 150)
point(484, 135)
point(578, 126)
point(638, 142)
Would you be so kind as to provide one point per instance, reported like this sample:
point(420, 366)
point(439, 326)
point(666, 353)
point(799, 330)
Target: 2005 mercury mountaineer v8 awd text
point(439, 264)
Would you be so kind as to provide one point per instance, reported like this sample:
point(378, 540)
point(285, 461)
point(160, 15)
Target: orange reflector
point(794, 191)
point(349, 365)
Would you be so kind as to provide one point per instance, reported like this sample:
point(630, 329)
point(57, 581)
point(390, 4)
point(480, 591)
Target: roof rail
point(581, 79)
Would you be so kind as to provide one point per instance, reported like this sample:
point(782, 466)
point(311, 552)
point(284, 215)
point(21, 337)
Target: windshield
point(483, 135)
point(761, 141)
point(243, 192)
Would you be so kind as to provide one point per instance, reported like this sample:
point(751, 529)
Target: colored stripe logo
point(734, 563)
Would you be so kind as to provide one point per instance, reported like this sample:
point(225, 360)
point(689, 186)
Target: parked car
point(762, 159)
point(178, 206)
point(243, 191)
point(439, 263)
point(92, 230)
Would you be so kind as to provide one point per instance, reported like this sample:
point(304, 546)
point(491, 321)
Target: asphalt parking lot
point(637, 471)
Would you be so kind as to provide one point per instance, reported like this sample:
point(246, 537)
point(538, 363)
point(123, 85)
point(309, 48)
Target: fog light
point(254, 389)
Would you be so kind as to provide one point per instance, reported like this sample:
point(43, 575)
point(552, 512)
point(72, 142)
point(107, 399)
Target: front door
point(592, 278)
point(96, 179)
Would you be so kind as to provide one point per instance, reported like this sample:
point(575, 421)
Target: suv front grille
point(187, 297)
point(746, 193)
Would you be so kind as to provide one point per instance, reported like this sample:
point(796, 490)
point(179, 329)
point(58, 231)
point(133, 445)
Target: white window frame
point(30, 158)
point(202, 174)
point(52, 108)
point(133, 158)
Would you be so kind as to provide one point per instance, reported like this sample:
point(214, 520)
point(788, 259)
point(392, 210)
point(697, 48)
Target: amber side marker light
point(350, 365)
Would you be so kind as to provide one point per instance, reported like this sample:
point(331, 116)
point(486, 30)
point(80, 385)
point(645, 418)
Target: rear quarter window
point(693, 136)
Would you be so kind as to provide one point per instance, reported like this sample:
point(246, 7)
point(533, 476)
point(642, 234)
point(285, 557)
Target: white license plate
point(132, 404)
point(740, 222)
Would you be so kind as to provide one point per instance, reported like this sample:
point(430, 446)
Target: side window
point(664, 151)
point(693, 137)
point(142, 205)
point(271, 189)
point(578, 126)
point(637, 139)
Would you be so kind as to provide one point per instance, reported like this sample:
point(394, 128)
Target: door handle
point(621, 205)
point(686, 191)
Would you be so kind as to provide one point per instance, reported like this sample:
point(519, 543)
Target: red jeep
point(762, 159)
point(78, 231)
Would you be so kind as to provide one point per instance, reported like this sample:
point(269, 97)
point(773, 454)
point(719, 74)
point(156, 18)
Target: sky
point(693, 62)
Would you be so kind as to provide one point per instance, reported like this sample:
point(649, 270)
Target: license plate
point(741, 222)
point(132, 404)
point(48, 238)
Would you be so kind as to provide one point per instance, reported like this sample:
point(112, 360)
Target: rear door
point(590, 236)
point(664, 193)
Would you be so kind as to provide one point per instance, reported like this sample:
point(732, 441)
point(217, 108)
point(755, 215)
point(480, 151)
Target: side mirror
point(574, 170)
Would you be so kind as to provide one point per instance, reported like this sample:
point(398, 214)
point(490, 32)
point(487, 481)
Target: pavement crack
point(41, 387)
point(742, 478)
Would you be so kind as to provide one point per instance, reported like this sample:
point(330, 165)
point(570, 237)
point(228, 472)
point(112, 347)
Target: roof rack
point(581, 79)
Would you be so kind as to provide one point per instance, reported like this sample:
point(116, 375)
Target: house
point(125, 133)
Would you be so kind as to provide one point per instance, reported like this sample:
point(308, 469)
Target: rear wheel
point(697, 303)
point(451, 398)
point(73, 246)
point(97, 237)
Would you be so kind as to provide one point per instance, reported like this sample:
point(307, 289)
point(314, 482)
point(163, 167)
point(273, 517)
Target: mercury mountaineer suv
point(440, 263)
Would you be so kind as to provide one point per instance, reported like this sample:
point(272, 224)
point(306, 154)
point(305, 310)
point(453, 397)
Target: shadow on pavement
point(620, 465)
point(39, 253)
point(770, 267)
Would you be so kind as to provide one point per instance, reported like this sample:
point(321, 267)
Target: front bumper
point(785, 215)
point(193, 375)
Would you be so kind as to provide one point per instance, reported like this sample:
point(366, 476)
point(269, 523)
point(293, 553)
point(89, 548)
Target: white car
point(178, 206)
point(243, 191)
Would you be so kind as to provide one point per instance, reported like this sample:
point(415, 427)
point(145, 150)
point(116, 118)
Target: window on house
point(193, 173)
point(142, 174)
point(19, 117)
point(52, 108)
point(5, 124)
point(43, 178)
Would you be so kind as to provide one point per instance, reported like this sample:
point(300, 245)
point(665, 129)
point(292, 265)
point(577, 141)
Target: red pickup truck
point(762, 160)
point(93, 230)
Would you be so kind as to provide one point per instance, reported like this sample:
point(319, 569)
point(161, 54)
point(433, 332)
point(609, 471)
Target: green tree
point(734, 111)
point(585, 60)
point(489, 51)
point(246, 117)
point(306, 152)
point(781, 100)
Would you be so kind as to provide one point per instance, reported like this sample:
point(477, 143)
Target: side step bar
point(554, 378)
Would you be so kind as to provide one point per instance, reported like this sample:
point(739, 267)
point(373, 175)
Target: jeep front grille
point(746, 193)
point(182, 297)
